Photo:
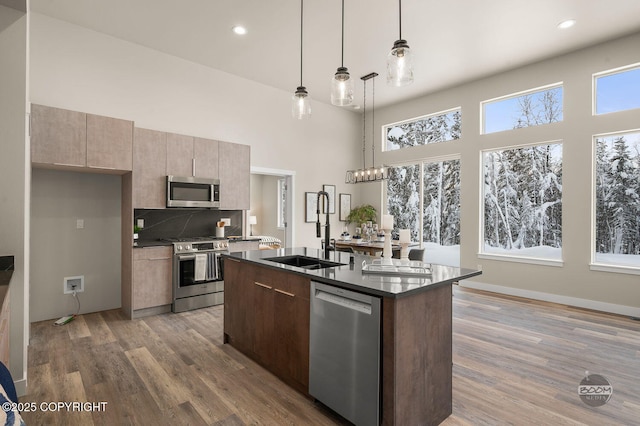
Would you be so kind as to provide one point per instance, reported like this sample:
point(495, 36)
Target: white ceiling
point(453, 40)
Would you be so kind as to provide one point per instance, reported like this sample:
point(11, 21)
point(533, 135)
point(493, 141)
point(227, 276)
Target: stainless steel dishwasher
point(344, 352)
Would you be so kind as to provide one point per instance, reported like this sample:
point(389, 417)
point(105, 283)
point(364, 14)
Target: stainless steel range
point(197, 272)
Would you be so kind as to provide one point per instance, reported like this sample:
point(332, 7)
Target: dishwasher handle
point(344, 298)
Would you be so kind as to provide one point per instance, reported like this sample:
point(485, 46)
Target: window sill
point(619, 269)
point(516, 259)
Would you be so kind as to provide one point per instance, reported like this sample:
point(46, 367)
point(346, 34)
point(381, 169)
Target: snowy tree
point(617, 198)
point(432, 129)
point(539, 108)
point(441, 216)
point(403, 198)
point(523, 197)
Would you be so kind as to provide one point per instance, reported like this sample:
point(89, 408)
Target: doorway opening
point(272, 204)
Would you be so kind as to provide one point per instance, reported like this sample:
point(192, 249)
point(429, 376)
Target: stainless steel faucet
point(327, 230)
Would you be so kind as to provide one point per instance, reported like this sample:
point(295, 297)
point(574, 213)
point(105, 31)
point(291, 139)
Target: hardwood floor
point(515, 362)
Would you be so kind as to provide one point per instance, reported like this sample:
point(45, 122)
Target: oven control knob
point(179, 247)
point(223, 245)
point(187, 247)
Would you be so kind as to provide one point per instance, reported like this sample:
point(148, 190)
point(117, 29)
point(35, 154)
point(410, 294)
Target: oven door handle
point(186, 256)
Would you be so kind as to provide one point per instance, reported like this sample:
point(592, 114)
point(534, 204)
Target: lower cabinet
point(152, 277)
point(267, 318)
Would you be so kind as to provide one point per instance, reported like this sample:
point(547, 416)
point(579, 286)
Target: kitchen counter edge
point(350, 276)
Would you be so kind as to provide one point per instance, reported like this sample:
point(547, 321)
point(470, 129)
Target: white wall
point(59, 249)
point(82, 70)
point(573, 283)
point(14, 181)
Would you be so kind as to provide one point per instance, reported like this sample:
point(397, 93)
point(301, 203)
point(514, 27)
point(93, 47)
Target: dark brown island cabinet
point(266, 317)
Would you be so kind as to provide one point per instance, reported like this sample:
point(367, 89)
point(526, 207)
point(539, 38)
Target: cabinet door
point(179, 155)
point(235, 169)
point(291, 322)
point(263, 309)
point(58, 136)
point(239, 319)
point(205, 153)
point(149, 169)
point(152, 277)
point(109, 143)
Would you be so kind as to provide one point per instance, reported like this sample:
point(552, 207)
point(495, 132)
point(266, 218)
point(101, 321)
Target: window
point(438, 227)
point(617, 199)
point(531, 108)
point(523, 202)
point(441, 213)
point(617, 90)
point(403, 198)
point(439, 127)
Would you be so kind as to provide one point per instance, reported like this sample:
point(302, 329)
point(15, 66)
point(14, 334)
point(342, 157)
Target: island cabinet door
point(239, 318)
point(263, 309)
point(291, 324)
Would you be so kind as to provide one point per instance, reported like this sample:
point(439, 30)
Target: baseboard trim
point(21, 387)
point(630, 311)
point(146, 312)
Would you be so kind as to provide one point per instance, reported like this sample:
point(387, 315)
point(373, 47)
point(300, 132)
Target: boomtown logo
point(595, 390)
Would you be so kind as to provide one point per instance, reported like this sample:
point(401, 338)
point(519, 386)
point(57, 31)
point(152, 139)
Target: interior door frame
point(289, 176)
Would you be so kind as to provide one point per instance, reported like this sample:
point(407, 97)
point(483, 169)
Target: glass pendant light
point(400, 60)
point(342, 83)
point(300, 106)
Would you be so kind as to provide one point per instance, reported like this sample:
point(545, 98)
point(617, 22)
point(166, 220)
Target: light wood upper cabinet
point(152, 277)
point(58, 136)
point(205, 152)
point(179, 155)
point(149, 166)
point(63, 138)
point(235, 176)
point(109, 143)
point(191, 156)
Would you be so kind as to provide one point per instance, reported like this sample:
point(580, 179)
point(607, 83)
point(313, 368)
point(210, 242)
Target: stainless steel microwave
point(193, 192)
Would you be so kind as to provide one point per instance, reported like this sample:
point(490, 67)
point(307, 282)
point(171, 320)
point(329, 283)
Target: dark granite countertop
point(350, 276)
point(151, 243)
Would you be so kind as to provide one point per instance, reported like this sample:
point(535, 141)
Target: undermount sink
point(304, 262)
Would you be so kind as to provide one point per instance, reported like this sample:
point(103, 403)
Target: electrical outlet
point(72, 284)
point(479, 267)
point(80, 224)
point(140, 223)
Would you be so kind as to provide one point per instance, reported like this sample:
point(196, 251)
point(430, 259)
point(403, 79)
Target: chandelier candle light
point(371, 174)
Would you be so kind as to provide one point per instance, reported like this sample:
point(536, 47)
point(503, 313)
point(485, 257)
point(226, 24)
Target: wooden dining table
point(372, 248)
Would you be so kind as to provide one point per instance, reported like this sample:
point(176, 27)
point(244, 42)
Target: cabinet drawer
point(152, 253)
point(285, 283)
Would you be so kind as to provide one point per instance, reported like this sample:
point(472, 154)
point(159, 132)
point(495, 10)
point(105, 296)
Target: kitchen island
point(267, 318)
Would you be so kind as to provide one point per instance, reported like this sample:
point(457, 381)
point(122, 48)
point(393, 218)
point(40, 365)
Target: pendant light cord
point(342, 57)
point(400, 18)
point(301, 19)
point(364, 128)
point(373, 124)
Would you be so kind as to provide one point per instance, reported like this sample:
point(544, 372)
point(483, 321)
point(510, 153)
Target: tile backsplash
point(185, 223)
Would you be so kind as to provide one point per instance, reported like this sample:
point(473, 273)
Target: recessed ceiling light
point(567, 24)
point(239, 29)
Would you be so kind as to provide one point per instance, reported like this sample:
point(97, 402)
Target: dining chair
point(416, 254)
